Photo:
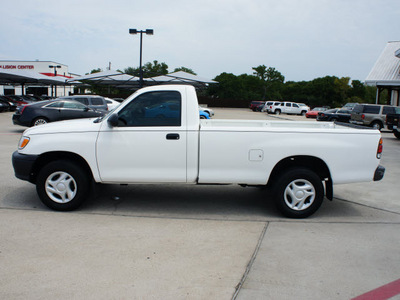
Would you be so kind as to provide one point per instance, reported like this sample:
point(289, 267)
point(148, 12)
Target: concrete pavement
point(196, 242)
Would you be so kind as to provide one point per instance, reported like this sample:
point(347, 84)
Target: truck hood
point(78, 125)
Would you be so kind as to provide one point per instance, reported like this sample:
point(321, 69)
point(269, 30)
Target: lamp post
point(149, 32)
point(55, 74)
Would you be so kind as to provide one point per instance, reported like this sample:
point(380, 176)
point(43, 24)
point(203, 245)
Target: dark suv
point(372, 115)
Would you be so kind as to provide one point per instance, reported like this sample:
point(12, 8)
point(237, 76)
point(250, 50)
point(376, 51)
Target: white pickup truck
point(156, 136)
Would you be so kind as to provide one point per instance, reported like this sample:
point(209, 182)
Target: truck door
point(149, 142)
point(288, 108)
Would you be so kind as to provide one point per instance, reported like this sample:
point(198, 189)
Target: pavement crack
point(251, 262)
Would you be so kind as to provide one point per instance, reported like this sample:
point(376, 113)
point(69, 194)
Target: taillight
point(380, 149)
point(22, 109)
point(363, 116)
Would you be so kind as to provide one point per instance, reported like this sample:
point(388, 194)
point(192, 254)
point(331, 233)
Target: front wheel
point(396, 134)
point(298, 193)
point(62, 185)
point(277, 112)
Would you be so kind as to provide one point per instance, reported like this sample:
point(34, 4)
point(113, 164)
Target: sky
point(302, 39)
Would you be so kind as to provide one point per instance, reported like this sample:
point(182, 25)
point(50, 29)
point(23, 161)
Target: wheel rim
point(376, 126)
point(61, 187)
point(299, 194)
point(40, 122)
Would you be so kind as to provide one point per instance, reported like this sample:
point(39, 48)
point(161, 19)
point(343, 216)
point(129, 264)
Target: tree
point(272, 81)
point(184, 69)
point(149, 69)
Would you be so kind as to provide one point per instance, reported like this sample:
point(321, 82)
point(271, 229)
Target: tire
point(39, 121)
point(376, 125)
point(303, 113)
point(396, 134)
point(62, 185)
point(277, 112)
point(203, 117)
point(298, 193)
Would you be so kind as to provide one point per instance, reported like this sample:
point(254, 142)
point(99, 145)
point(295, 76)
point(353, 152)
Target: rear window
point(97, 101)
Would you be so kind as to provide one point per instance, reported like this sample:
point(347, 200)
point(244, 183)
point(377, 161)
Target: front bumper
point(23, 165)
point(379, 172)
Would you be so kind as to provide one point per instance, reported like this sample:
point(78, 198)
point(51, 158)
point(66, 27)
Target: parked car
point(393, 122)
point(269, 104)
point(288, 108)
point(8, 103)
point(43, 112)
point(314, 112)
point(207, 110)
point(3, 107)
point(340, 115)
point(111, 103)
point(204, 115)
point(349, 106)
point(372, 115)
point(92, 101)
point(19, 100)
point(254, 104)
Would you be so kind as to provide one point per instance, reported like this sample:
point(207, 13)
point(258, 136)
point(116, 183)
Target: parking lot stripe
point(384, 292)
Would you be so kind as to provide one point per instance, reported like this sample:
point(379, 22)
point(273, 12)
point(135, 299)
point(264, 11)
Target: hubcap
point(299, 194)
point(40, 122)
point(60, 187)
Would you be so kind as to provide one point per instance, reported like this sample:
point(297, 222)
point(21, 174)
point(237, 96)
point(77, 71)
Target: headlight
point(23, 142)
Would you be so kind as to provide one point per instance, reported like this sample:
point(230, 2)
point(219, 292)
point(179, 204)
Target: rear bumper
point(23, 165)
point(379, 172)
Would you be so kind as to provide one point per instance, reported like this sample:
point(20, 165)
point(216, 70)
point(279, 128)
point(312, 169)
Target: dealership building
point(44, 69)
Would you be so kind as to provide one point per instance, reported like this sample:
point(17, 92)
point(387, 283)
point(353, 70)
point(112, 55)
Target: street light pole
point(55, 75)
point(149, 32)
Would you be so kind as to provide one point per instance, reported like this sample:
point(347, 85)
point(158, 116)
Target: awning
point(179, 77)
point(20, 77)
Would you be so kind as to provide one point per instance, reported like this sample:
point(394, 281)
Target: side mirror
point(113, 120)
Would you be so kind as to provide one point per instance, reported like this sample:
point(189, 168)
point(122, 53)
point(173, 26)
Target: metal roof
point(386, 71)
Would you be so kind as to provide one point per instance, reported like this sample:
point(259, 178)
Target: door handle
point(173, 136)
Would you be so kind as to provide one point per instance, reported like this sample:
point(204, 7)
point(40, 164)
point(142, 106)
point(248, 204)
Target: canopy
point(121, 80)
point(179, 77)
point(28, 77)
point(109, 77)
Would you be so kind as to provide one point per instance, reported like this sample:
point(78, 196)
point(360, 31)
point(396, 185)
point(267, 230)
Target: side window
point(97, 101)
point(74, 105)
point(295, 105)
point(82, 100)
point(153, 109)
point(57, 104)
point(288, 104)
point(371, 109)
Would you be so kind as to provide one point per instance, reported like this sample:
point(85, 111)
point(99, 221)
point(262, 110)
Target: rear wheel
point(396, 134)
point(277, 112)
point(376, 125)
point(39, 121)
point(62, 185)
point(298, 193)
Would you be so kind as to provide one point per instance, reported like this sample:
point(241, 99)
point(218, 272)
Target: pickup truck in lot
point(393, 122)
point(298, 161)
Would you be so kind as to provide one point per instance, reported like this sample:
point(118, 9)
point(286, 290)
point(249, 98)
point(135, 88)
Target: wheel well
point(378, 122)
point(45, 158)
point(312, 163)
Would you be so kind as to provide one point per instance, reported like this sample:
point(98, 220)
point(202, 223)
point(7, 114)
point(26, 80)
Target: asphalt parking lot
point(198, 242)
